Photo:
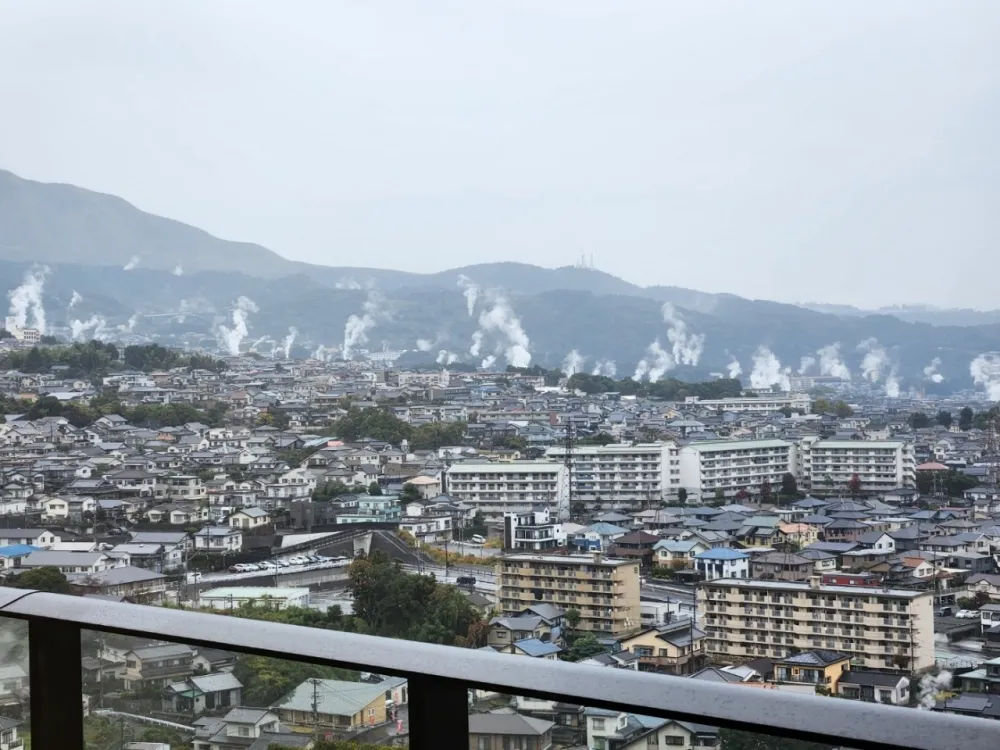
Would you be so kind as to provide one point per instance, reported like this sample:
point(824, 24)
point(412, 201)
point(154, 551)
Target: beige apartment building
point(604, 591)
point(879, 628)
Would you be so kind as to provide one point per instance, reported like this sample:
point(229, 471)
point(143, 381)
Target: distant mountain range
point(88, 239)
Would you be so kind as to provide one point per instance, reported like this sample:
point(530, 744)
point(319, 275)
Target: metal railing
point(440, 676)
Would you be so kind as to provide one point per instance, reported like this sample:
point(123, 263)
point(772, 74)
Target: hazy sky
point(796, 150)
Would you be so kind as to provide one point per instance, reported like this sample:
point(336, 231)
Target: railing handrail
point(446, 672)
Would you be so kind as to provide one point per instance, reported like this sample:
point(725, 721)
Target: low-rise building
point(339, 706)
point(507, 731)
point(234, 597)
point(158, 665)
point(673, 648)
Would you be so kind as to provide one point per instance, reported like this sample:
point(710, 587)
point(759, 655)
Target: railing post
point(438, 714)
point(56, 685)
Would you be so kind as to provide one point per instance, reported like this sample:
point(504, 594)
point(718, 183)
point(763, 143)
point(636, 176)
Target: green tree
point(374, 489)
point(732, 739)
point(268, 680)
point(584, 647)
point(925, 482)
point(789, 487)
point(572, 618)
point(682, 495)
point(720, 496)
point(765, 491)
point(434, 435)
point(374, 423)
point(46, 578)
point(854, 485)
point(918, 420)
point(944, 418)
point(409, 493)
point(843, 410)
point(965, 418)
point(330, 490)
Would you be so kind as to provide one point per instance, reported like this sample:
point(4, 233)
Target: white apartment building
point(734, 465)
point(763, 404)
point(515, 487)
point(881, 465)
point(622, 473)
point(878, 628)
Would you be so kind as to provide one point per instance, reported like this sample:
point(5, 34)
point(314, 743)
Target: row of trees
point(97, 358)
point(669, 389)
point(967, 419)
point(82, 414)
point(382, 424)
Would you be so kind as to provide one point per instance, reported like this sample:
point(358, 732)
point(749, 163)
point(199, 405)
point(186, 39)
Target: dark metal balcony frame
point(440, 677)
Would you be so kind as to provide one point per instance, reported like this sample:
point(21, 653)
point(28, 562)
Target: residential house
point(672, 552)
point(9, 739)
point(822, 669)
point(158, 665)
point(13, 684)
point(781, 566)
point(249, 519)
point(218, 540)
point(240, 729)
point(509, 732)
point(722, 563)
point(136, 585)
point(201, 693)
point(69, 562)
point(611, 730)
point(336, 705)
point(875, 687)
point(674, 648)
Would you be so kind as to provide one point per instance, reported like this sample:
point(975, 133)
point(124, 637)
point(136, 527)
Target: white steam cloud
point(875, 360)
point(573, 363)
point(930, 686)
point(892, 383)
point(347, 283)
point(931, 371)
point(768, 372)
point(445, 357)
point(357, 327)
point(424, 345)
point(655, 364)
point(94, 328)
point(985, 371)
point(806, 363)
point(477, 343)
point(178, 270)
point(605, 367)
point(489, 362)
point(75, 300)
point(130, 325)
point(26, 307)
point(286, 344)
point(734, 368)
point(132, 263)
point(831, 364)
point(470, 290)
point(502, 320)
point(686, 348)
point(231, 338)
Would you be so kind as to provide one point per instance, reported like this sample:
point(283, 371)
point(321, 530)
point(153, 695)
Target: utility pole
point(568, 461)
point(315, 708)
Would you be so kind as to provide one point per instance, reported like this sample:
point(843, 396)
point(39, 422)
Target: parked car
point(238, 568)
point(466, 580)
point(967, 614)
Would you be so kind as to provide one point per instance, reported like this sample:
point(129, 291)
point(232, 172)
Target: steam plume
point(686, 348)
point(347, 284)
point(605, 367)
point(477, 343)
point(178, 270)
point(132, 263)
point(231, 338)
point(767, 371)
point(424, 345)
point(26, 306)
point(286, 344)
point(488, 362)
point(657, 363)
point(734, 368)
point(471, 292)
point(75, 300)
point(892, 383)
point(502, 319)
point(931, 371)
point(357, 327)
point(445, 357)
point(130, 325)
point(805, 364)
point(930, 686)
point(573, 363)
point(985, 371)
point(875, 359)
point(94, 328)
point(831, 364)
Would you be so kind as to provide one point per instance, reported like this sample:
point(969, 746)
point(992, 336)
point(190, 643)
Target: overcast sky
point(797, 150)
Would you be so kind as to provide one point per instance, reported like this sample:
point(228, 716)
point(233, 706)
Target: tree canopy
point(669, 389)
point(96, 359)
point(46, 578)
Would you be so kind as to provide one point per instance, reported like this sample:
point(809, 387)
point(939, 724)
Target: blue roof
point(17, 550)
point(535, 647)
point(603, 528)
point(721, 553)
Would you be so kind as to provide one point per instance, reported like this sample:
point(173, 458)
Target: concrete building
point(882, 465)
point(722, 562)
point(763, 404)
point(642, 473)
point(515, 487)
point(734, 465)
point(532, 532)
point(605, 591)
point(878, 628)
point(234, 597)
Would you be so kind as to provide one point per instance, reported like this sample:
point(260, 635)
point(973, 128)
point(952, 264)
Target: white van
point(477, 539)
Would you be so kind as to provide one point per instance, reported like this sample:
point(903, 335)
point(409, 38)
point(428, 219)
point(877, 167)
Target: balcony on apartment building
point(439, 683)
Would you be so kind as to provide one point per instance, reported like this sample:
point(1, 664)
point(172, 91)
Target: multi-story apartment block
point(734, 465)
point(878, 628)
point(532, 532)
point(516, 487)
point(622, 473)
point(762, 404)
point(604, 591)
point(881, 466)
